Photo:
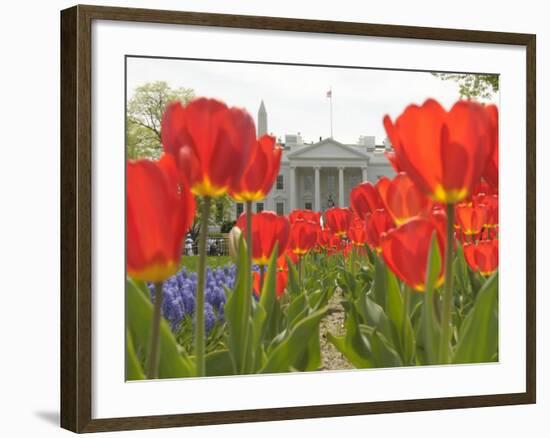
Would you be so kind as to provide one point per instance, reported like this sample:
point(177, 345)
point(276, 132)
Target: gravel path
point(331, 358)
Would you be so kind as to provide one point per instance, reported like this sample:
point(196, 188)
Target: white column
point(292, 188)
point(340, 187)
point(364, 173)
point(317, 188)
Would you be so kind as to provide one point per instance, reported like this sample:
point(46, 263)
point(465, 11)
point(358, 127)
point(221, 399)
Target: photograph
point(290, 218)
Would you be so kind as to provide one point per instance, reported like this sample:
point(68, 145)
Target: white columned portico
point(340, 187)
point(292, 186)
point(364, 173)
point(317, 188)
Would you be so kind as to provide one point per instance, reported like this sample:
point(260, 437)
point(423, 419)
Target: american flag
point(329, 93)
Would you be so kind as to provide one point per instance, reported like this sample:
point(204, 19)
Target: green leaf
point(347, 282)
point(286, 354)
point(237, 314)
point(133, 367)
point(478, 338)
point(264, 314)
point(376, 317)
point(293, 286)
point(142, 287)
point(397, 313)
point(354, 345)
point(382, 351)
point(268, 295)
point(274, 324)
point(310, 359)
point(379, 286)
point(219, 363)
point(258, 322)
point(296, 309)
point(460, 269)
point(430, 327)
point(318, 299)
point(139, 314)
point(370, 255)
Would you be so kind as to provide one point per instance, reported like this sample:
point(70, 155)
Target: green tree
point(220, 212)
point(143, 118)
point(144, 114)
point(472, 86)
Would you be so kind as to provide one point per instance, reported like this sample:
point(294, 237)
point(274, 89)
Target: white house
point(320, 175)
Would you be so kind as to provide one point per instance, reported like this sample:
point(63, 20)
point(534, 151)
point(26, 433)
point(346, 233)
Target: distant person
point(214, 248)
point(189, 245)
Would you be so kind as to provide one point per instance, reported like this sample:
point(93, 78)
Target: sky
point(295, 97)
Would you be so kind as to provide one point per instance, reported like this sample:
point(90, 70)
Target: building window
point(309, 206)
point(308, 183)
point(331, 183)
point(280, 182)
point(280, 207)
point(354, 180)
point(240, 209)
point(259, 207)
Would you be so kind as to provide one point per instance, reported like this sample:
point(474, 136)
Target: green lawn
point(192, 262)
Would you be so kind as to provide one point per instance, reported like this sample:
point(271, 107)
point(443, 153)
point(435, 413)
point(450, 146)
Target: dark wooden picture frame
point(76, 217)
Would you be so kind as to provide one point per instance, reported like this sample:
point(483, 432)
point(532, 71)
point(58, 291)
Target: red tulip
point(268, 229)
point(347, 249)
point(364, 199)
point(393, 161)
point(210, 142)
point(290, 255)
point(323, 238)
point(336, 245)
point(471, 219)
point(491, 220)
point(405, 250)
point(403, 200)
point(482, 257)
point(329, 242)
point(306, 215)
point(469, 250)
point(483, 189)
point(159, 211)
point(382, 186)
point(357, 233)
point(282, 264)
point(338, 220)
point(377, 223)
point(281, 280)
point(491, 170)
point(303, 236)
point(444, 153)
point(261, 172)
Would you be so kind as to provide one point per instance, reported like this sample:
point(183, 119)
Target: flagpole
point(331, 112)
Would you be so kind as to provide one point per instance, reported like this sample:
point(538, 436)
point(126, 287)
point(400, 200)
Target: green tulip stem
point(249, 246)
point(154, 342)
point(262, 277)
point(407, 299)
point(199, 306)
point(300, 271)
point(352, 259)
point(407, 292)
point(445, 341)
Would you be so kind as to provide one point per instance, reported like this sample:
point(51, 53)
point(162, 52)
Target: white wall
point(29, 235)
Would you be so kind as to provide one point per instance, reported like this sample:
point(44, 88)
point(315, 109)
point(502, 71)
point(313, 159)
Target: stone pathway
point(331, 358)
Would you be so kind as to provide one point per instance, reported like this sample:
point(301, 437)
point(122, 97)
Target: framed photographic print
point(340, 215)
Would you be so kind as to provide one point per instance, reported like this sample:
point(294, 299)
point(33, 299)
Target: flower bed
point(413, 262)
